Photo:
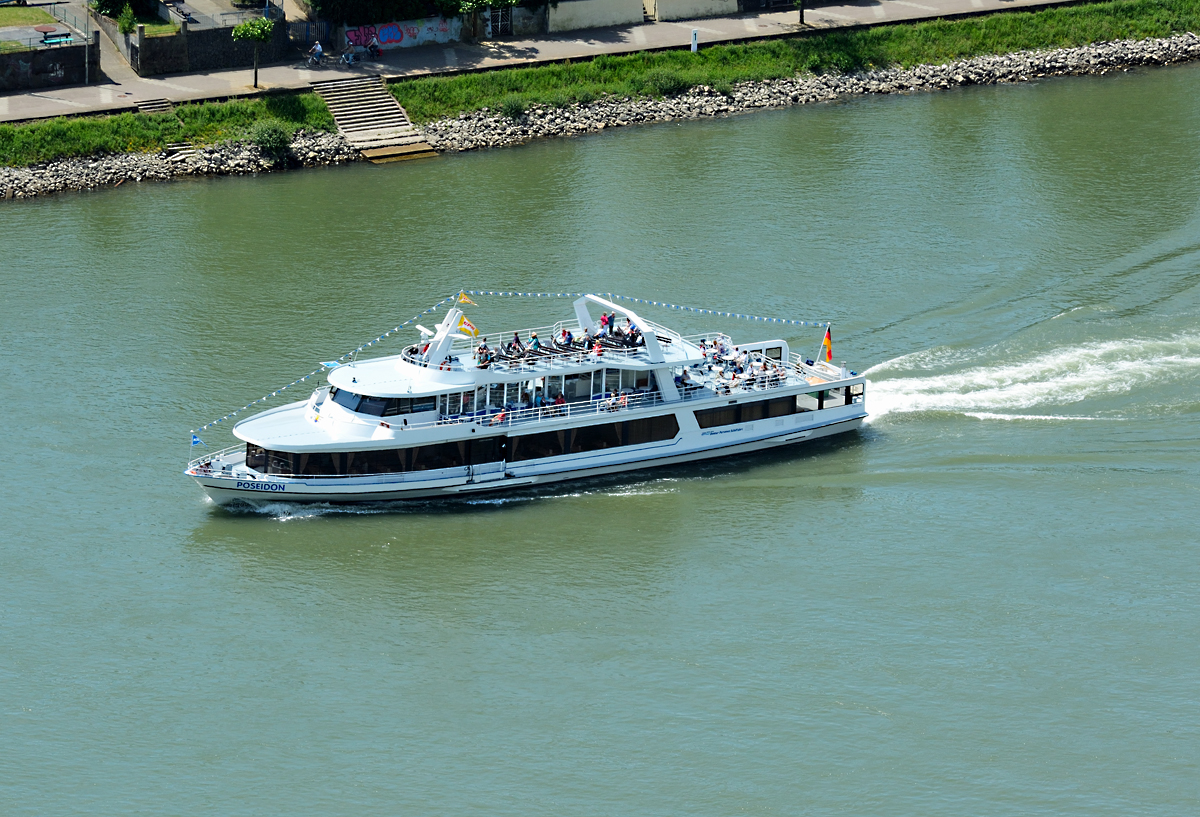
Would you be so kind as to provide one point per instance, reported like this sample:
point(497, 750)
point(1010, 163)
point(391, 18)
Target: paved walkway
point(122, 88)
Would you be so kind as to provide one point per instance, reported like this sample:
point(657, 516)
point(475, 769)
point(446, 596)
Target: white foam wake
point(1003, 389)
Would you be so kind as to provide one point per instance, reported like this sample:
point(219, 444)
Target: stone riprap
point(226, 159)
point(485, 129)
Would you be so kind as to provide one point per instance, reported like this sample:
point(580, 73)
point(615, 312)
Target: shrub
point(664, 82)
point(272, 137)
point(513, 106)
point(111, 8)
point(127, 22)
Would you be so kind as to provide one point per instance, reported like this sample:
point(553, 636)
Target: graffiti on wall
point(408, 33)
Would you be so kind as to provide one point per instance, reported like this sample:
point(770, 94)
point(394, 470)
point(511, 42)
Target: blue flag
point(197, 441)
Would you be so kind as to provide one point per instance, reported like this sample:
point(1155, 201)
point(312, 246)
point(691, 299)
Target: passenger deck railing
point(197, 464)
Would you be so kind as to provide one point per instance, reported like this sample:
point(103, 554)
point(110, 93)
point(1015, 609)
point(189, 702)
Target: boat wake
point(1009, 388)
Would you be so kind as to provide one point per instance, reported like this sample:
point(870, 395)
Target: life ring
point(444, 366)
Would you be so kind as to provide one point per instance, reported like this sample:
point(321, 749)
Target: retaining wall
point(692, 9)
point(570, 15)
point(50, 67)
point(209, 49)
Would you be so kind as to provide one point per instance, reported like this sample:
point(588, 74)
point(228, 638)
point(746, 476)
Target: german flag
point(827, 346)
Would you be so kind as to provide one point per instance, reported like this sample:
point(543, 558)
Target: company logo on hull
point(262, 486)
point(721, 431)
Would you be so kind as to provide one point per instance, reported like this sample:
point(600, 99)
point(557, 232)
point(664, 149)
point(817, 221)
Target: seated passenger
point(499, 418)
point(518, 348)
point(567, 338)
point(538, 399)
point(534, 344)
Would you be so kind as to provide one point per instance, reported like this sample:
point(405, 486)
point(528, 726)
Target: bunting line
point(614, 297)
point(325, 366)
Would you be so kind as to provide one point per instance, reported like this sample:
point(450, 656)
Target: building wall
point(529, 22)
point(691, 9)
point(50, 67)
point(403, 34)
point(570, 15)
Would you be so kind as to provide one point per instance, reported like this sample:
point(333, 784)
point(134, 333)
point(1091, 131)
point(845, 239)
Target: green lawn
point(156, 26)
point(720, 66)
point(24, 16)
point(203, 123)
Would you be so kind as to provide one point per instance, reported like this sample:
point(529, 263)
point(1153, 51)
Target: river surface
point(987, 601)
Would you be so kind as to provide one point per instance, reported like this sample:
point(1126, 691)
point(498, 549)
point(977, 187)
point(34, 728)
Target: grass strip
point(903, 44)
point(202, 123)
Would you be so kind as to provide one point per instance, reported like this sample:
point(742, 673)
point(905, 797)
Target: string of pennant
point(327, 365)
point(614, 297)
point(461, 297)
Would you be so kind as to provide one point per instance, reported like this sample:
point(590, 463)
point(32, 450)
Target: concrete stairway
point(155, 106)
point(372, 120)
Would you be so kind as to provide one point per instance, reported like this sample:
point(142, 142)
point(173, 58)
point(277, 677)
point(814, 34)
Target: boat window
point(535, 446)
point(382, 406)
point(554, 386)
point(749, 412)
point(717, 417)
point(774, 352)
point(468, 402)
point(807, 402)
point(595, 438)
point(496, 395)
point(651, 429)
point(488, 449)
point(612, 381)
point(440, 455)
point(347, 399)
point(256, 457)
point(756, 410)
point(454, 404)
point(578, 387)
point(374, 406)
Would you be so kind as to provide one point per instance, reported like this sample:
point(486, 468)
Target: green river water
point(984, 602)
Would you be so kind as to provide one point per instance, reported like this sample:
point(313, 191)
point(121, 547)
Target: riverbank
point(231, 158)
point(88, 152)
point(842, 51)
point(485, 129)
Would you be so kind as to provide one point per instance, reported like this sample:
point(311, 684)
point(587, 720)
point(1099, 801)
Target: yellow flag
point(467, 326)
point(463, 299)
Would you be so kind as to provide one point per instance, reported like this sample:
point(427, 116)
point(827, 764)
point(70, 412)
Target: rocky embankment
point(486, 129)
point(226, 159)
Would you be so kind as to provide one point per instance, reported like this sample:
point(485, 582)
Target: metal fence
point(306, 33)
point(71, 17)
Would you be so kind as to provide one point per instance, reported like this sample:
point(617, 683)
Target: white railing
point(197, 465)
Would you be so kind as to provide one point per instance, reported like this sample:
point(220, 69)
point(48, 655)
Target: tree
point(258, 31)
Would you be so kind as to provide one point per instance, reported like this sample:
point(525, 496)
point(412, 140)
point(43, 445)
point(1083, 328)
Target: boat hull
point(465, 481)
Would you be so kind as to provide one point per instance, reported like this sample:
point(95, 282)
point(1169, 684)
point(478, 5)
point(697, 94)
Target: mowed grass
point(653, 74)
point(24, 16)
point(156, 26)
point(203, 123)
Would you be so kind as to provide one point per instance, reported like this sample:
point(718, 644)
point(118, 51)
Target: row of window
point(464, 452)
point(777, 407)
point(574, 388)
point(382, 406)
point(530, 446)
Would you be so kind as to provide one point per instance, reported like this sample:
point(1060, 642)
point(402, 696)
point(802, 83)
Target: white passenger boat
point(444, 419)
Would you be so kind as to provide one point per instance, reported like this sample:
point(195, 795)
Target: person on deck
point(534, 344)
